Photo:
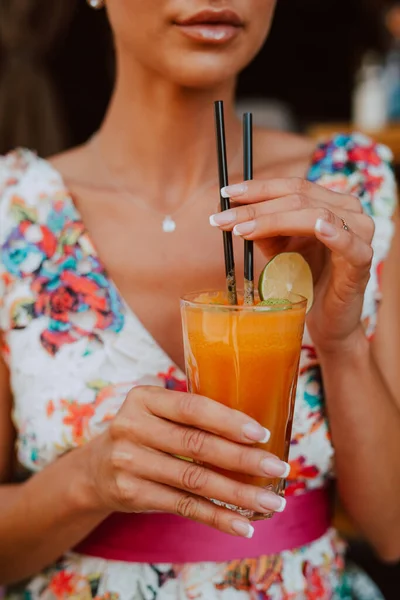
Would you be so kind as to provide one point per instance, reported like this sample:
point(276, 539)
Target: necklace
point(168, 223)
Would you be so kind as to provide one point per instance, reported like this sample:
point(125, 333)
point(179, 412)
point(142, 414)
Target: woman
point(91, 274)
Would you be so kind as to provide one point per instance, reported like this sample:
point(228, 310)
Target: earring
point(96, 4)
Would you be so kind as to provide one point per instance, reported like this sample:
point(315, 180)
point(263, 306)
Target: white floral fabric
point(74, 349)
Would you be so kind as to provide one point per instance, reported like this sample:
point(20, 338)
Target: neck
point(158, 138)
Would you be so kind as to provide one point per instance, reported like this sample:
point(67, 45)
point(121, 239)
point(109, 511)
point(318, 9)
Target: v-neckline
point(129, 313)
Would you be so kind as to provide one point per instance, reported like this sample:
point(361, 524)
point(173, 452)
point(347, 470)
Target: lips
point(213, 17)
point(211, 26)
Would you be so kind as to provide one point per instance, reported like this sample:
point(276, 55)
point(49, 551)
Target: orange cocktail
point(247, 358)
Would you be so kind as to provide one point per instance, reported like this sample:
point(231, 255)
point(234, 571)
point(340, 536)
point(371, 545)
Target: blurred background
point(328, 65)
point(56, 68)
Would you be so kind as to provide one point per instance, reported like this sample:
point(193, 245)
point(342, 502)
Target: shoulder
point(32, 207)
point(350, 152)
point(26, 181)
point(356, 164)
point(13, 166)
point(280, 154)
point(77, 165)
point(276, 147)
point(24, 171)
point(24, 174)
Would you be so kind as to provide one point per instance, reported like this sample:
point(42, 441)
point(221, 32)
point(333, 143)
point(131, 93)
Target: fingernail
point(244, 529)
point(256, 433)
point(271, 501)
point(275, 467)
point(223, 218)
point(230, 191)
point(282, 506)
point(327, 229)
point(244, 228)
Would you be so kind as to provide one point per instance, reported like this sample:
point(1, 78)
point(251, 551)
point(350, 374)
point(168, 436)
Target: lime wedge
point(276, 303)
point(285, 274)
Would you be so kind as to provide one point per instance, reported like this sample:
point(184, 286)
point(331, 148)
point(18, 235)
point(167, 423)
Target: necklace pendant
point(168, 224)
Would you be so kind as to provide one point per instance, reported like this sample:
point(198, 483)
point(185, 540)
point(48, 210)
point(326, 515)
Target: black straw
point(225, 204)
point(247, 176)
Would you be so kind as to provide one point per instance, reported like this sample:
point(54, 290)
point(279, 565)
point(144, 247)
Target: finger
point(203, 413)
point(161, 498)
point(348, 245)
point(362, 224)
point(198, 479)
point(295, 223)
point(210, 449)
point(259, 191)
point(233, 204)
point(240, 214)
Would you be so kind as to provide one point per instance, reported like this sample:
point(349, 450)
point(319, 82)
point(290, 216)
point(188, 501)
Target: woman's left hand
point(328, 228)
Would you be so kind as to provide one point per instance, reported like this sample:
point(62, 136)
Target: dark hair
point(29, 109)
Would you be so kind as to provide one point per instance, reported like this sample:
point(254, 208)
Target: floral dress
point(74, 349)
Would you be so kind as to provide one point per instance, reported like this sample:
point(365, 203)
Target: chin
point(204, 70)
point(201, 78)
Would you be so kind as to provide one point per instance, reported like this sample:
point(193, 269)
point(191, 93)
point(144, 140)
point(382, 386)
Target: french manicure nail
point(230, 191)
point(244, 228)
point(270, 501)
point(256, 433)
point(223, 218)
point(327, 229)
point(241, 528)
point(282, 506)
point(275, 467)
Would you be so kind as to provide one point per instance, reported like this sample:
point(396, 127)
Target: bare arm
point(386, 344)
point(361, 380)
point(7, 433)
point(362, 386)
point(42, 518)
point(132, 468)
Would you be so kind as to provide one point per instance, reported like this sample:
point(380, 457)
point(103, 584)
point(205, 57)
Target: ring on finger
point(344, 224)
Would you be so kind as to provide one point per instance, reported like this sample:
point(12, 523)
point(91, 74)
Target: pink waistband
point(165, 538)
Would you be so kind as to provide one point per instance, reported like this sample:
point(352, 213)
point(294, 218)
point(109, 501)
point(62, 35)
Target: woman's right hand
point(132, 466)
